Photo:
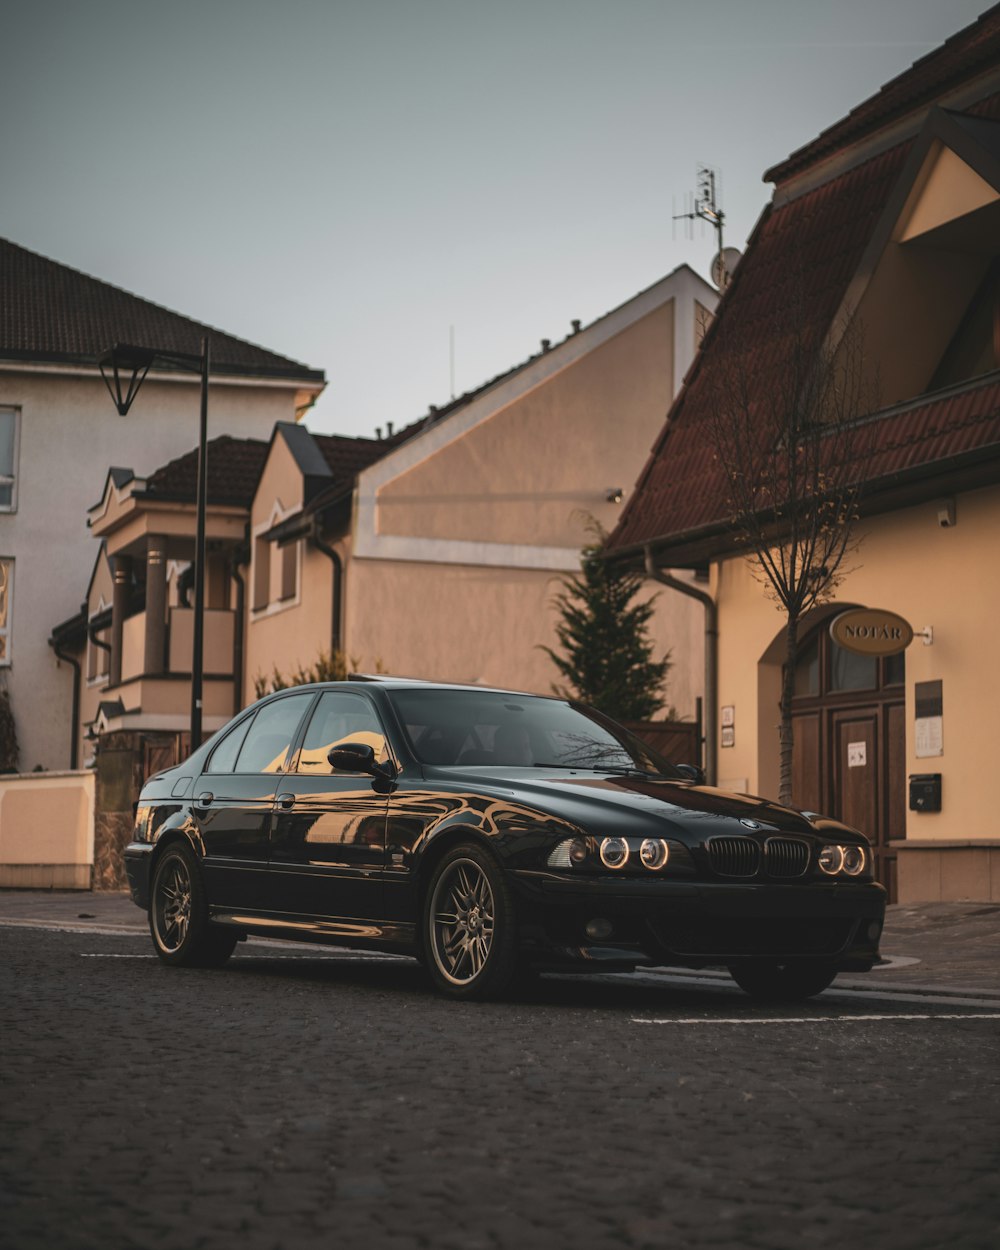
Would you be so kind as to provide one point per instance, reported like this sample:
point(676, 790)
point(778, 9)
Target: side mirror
point(692, 773)
point(358, 757)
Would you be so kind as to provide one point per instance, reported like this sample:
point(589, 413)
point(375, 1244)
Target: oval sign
point(870, 631)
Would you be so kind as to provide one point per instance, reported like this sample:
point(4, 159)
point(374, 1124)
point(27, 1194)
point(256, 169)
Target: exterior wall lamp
point(124, 368)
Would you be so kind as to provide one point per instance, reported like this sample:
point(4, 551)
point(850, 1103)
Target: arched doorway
point(849, 758)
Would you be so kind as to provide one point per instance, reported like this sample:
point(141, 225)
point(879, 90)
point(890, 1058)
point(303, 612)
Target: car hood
point(617, 803)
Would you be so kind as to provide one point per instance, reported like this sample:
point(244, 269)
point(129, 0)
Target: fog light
point(854, 860)
point(831, 859)
point(599, 929)
point(874, 930)
point(614, 852)
point(654, 853)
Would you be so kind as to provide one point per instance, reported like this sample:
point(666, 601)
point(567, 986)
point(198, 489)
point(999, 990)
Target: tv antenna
point(705, 207)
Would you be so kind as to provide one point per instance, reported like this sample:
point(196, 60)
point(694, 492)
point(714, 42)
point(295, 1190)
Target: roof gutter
point(336, 606)
point(711, 654)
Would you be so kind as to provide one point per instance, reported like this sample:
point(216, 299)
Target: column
point(156, 604)
point(122, 575)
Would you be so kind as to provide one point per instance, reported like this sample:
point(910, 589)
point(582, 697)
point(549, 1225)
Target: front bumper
point(138, 857)
point(695, 924)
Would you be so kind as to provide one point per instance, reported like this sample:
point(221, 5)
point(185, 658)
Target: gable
point(532, 470)
point(504, 477)
point(931, 251)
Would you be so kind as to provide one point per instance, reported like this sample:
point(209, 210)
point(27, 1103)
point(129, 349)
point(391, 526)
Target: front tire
point(771, 981)
point(178, 915)
point(469, 926)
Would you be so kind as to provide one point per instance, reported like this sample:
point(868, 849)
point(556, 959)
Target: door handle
point(286, 801)
point(203, 800)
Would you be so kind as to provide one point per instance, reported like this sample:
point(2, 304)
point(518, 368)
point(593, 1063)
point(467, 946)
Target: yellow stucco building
point(884, 231)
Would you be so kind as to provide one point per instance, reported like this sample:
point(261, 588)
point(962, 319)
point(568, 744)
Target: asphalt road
point(304, 1097)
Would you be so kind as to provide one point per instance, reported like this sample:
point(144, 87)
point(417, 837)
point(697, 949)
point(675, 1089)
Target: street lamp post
point(124, 368)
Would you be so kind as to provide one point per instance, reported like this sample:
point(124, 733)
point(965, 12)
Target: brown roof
point(49, 312)
point(234, 467)
point(347, 457)
point(956, 61)
point(824, 234)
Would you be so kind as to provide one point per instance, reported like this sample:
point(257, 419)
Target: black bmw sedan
point(485, 832)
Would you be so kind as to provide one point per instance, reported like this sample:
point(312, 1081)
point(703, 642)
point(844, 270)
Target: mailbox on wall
point(925, 792)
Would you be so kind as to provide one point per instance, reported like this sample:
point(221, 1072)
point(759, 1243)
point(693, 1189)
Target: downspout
point(74, 750)
point(711, 655)
point(241, 607)
point(338, 586)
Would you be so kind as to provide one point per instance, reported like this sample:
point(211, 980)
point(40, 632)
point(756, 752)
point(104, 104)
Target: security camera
point(946, 513)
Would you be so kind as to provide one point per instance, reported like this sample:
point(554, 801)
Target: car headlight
point(831, 859)
point(614, 852)
point(849, 859)
point(654, 853)
point(854, 860)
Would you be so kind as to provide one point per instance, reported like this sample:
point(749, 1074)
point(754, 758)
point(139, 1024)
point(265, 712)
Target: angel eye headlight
point(831, 859)
point(854, 860)
point(614, 852)
point(654, 853)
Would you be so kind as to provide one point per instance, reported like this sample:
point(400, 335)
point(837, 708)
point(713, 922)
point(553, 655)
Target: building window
point(6, 598)
point(98, 656)
point(275, 573)
point(261, 573)
point(9, 428)
point(289, 558)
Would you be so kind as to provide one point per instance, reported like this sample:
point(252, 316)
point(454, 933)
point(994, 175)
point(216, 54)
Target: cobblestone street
point(304, 1097)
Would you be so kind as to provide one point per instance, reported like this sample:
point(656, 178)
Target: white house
point(59, 432)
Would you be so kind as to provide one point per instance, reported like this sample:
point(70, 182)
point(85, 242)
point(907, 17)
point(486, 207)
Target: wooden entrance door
point(849, 745)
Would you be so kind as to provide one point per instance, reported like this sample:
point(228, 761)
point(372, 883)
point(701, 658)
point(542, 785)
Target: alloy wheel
point(462, 922)
point(173, 905)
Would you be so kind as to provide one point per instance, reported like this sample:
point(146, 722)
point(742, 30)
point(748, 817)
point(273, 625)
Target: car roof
point(420, 683)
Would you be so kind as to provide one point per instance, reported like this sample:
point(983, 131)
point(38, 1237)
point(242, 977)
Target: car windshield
point(492, 729)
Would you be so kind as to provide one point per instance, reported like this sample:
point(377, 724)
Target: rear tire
point(469, 926)
point(771, 981)
point(182, 934)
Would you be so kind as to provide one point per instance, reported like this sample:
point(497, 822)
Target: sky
point(411, 194)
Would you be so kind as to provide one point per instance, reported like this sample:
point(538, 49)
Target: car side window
point(224, 756)
point(265, 748)
point(339, 717)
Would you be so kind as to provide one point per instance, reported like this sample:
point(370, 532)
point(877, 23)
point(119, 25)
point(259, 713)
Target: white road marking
point(91, 955)
point(935, 1015)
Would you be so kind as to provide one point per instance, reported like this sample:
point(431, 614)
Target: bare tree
point(790, 436)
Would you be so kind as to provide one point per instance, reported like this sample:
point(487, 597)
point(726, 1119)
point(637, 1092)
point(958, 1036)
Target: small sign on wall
point(928, 735)
point(727, 723)
point(857, 755)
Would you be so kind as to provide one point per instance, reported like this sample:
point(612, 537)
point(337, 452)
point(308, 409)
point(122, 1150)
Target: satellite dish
point(723, 265)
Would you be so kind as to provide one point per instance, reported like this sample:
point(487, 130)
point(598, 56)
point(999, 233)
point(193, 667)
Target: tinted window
point(266, 747)
point(521, 731)
point(337, 718)
point(224, 756)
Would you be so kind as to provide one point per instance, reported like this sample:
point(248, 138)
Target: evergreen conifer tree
point(606, 654)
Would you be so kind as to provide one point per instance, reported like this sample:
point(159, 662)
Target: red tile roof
point(681, 487)
point(956, 61)
point(49, 312)
point(234, 467)
point(807, 249)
